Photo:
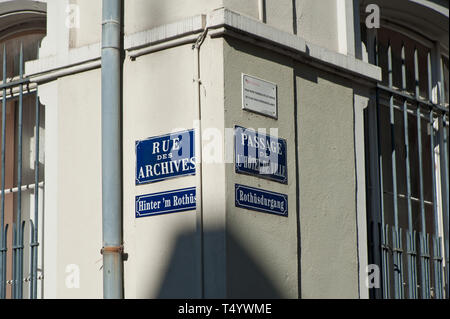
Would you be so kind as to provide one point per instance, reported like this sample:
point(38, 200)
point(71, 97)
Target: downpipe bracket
point(115, 250)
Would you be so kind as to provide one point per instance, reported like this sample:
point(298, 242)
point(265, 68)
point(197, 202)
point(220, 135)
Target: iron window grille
point(407, 167)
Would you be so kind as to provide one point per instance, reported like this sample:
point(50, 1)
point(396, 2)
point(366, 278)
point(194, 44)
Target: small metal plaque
point(166, 202)
point(259, 96)
point(166, 156)
point(261, 200)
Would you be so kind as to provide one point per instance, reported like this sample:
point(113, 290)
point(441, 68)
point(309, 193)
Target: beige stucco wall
point(329, 261)
point(246, 253)
point(317, 22)
point(262, 248)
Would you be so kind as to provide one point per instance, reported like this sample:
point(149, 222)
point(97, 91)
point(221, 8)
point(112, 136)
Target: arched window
point(407, 149)
point(22, 27)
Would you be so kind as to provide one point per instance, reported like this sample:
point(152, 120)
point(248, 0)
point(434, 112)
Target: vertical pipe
point(111, 150)
point(262, 10)
point(412, 284)
point(2, 226)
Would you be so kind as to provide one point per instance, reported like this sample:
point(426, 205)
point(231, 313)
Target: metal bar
point(442, 82)
point(35, 243)
point(13, 91)
point(422, 237)
point(445, 190)
point(436, 243)
point(14, 263)
point(18, 82)
point(412, 263)
point(111, 150)
point(20, 274)
point(447, 268)
point(398, 261)
point(437, 108)
point(395, 232)
point(402, 196)
point(31, 280)
point(385, 267)
point(429, 77)
point(19, 251)
point(23, 188)
point(2, 244)
point(428, 260)
point(411, 258)
point(3, 260)
point(410, 112)
point(416, 74)
point(437, 261)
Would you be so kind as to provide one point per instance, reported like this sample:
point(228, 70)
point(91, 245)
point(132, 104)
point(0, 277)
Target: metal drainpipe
point(111, 151)
point(262, 10)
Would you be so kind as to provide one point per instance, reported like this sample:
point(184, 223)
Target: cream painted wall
point(78, 195)
point(89, 30)
point(317, 22)
point(141, 15)
point(163, 250)
point(247, 8)
point(214, 197)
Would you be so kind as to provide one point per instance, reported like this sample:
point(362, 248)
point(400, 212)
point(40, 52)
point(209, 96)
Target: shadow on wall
point(244, 278)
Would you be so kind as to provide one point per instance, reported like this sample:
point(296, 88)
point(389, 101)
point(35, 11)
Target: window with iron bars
point(407, 165)
point(22, 169)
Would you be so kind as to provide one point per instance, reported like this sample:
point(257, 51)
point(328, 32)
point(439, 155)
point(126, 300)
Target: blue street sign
point(166, 156)
point(260, 154)
point(261, 200)
point(166, 202)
